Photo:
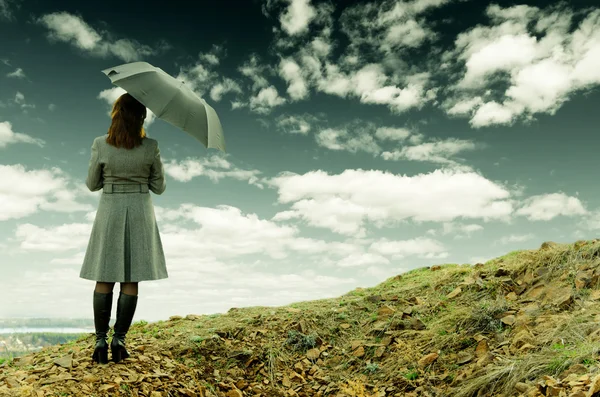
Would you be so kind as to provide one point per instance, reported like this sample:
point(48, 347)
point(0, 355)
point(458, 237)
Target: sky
point(364, 139)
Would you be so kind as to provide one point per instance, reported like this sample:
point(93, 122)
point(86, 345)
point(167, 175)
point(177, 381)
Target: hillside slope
point(525, 324)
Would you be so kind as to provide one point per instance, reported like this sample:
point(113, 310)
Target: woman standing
point(125, 243)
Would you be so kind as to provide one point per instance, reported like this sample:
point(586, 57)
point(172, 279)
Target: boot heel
point(101, 354)
point(118, 351)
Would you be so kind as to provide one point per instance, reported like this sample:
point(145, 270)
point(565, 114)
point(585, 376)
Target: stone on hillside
point(463, 357)
point(523, 387)
point(548, 245)
point(511, 296)
point(359, 352)
point(435, 267)
point(427, 359)
point(594, 387)
point(478, 265)
point(313, 354)
point(482, 348)
point(561, 297)
point(454, 293)
point(234, 393)
point(583, 279)
point(385, 311)
point(509, 320)
point(485, 360)
point(374, 298)
point(89, 378)
point(417, 324)
point(65, 361)
point(595, 295)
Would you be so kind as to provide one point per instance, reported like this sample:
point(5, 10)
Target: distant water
point(57, 330)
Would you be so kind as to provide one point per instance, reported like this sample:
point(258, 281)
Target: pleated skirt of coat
point(125, 243)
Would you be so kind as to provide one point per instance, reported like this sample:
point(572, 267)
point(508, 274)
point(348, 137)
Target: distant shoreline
point(65, 330)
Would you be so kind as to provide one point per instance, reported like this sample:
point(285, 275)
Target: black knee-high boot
point(102, 308)
point(125, 310)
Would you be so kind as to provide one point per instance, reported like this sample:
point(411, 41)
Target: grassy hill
point(525, 324)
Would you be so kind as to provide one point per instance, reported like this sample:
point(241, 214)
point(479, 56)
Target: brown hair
point(127, 127)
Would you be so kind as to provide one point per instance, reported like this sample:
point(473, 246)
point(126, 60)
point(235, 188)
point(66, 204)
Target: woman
point(125, 243)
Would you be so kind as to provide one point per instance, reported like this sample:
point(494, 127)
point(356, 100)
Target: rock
point(511, 296)
point(583, 279)
point(501, 272)
point(65, 361)
point(454, 293)
point(478, 265)
point(374, 298)
point(548, 245)
point(234, 393)
point(435, 268)
point(90, 378)
point(509, 320)
point(345, 326)
point(175, 318)
point(359, 352)
point(488, 358)
point(594, 387)
point(523, 387)
point(427, 359)
point(385, 311)
point(313, 354)
point(595, 295)
point(463, 357)
point(482, 348)
point(417, 324)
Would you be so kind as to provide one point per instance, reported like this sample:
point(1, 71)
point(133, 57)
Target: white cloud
point(17, 74)
point(388, 26)
point(341, 139)
point(8, 136)
point(215, 168)
point(292, 74)
point(69, 28)
point(255, 71)
point(436, 152)
point(420, 246)
point(296, 124)
point(532, 51)
point(458, 230)
point(344, 202)
point(545, 207)
point(363, 259)
point(24, 193)
point(266, 100)
point(516, 238)
point(392, 134)
point(224, 87)
point(296, 18)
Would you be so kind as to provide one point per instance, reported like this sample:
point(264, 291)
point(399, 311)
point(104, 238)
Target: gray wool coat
point(125, 243)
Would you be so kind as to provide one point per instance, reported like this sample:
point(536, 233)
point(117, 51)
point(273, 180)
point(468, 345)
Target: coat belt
point(110, 188)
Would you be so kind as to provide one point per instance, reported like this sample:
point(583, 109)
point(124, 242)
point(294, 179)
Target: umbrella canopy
point(170, 100)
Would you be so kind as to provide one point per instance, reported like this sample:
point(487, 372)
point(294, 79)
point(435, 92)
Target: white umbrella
point(170, 100)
